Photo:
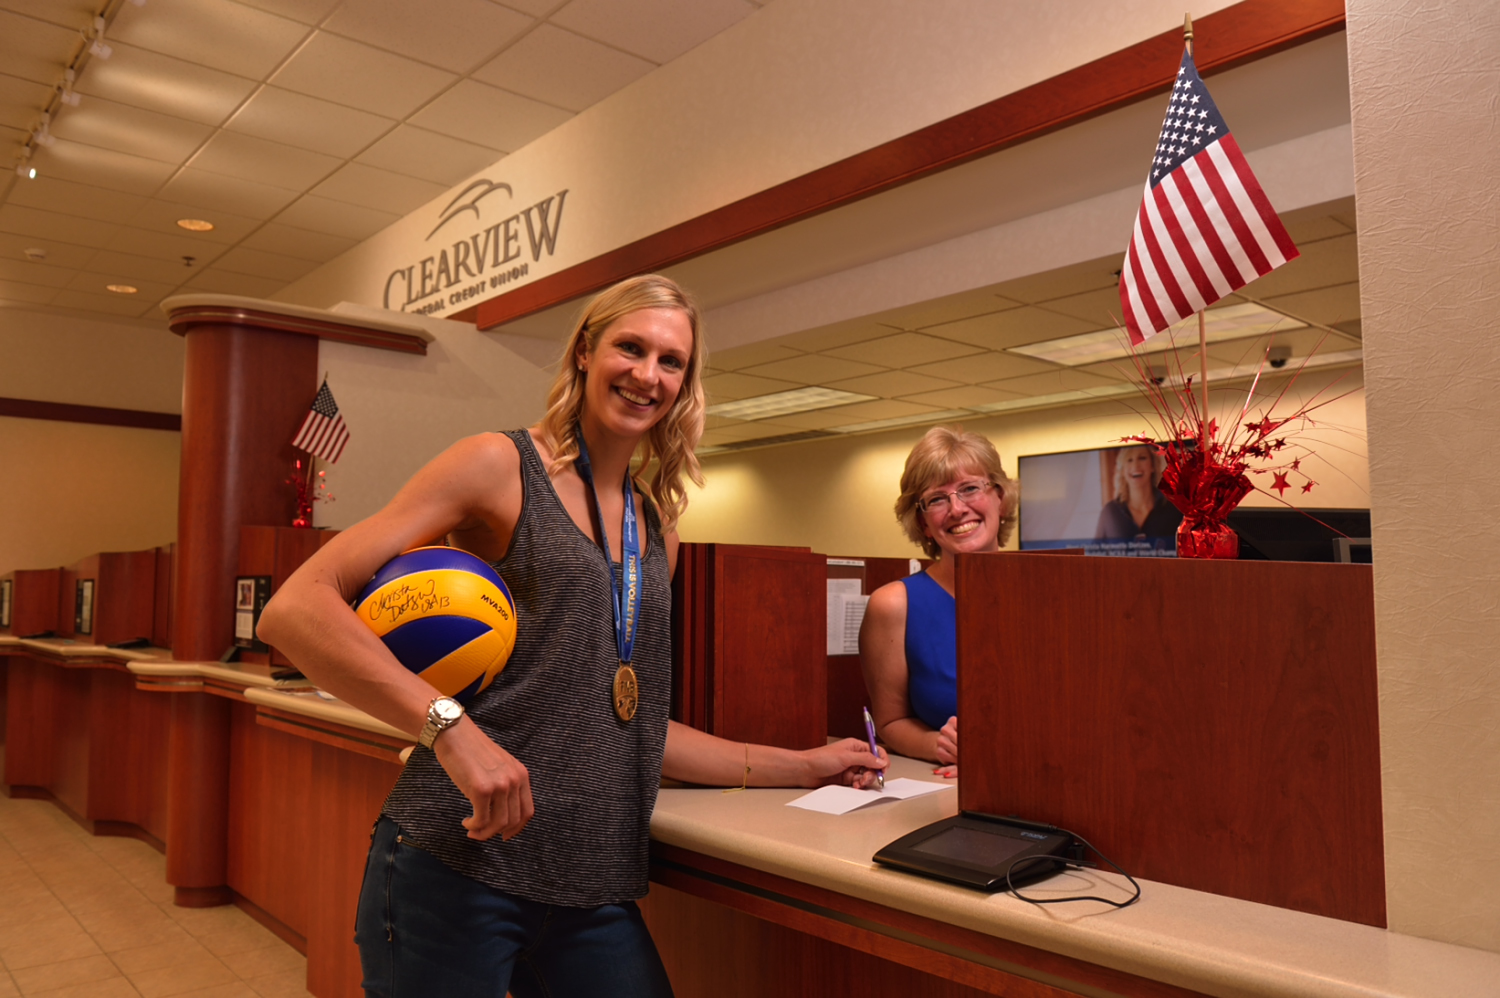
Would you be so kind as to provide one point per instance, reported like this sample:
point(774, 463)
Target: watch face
point(448, 710)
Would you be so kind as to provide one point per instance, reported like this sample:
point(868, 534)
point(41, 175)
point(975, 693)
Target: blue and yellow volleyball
point(445, 614)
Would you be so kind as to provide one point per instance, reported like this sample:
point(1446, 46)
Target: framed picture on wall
point(83, 607)
point(251, 592)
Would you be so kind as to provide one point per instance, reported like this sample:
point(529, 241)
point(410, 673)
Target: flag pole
point(1187, 40)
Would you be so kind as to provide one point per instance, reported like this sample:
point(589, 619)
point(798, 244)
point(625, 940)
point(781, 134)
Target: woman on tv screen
point(1138, 509)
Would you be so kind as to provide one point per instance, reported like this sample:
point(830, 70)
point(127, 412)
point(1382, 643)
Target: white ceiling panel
point(729, 387)
point(23, 221)
point(13, 246)
point(812, 369)
point(357, 75)
point(304, 243)
point(536, 8)
point(74, 14)
point(95, 283)
point(751, 355)
point(335, 217)
point(417, 152)
point(21, 102)
point(1328, 306)
point(162, 216)
point(659, 30)
point(106, 168)
point(216, 191)
point(130, 305)
point(30, 294)
point(1054, 382)
point(1011, 328)
point(365, 185)
point(963, 397)
point(903, 350)
point(225, 283)
point(306, 11)
point(308, 123)
point(859, 412)
point(30, 272)
point(891, 384)
point(562, 68)
point(217, 33)
point(258, 263)
point(132, 266)
point(35, 50)
point(122, 128)
point(984, 367)
point(426, 32)
point(247, 157)
point(156, 82)
point(84, 200)
point(164, 246)
point(481, 113)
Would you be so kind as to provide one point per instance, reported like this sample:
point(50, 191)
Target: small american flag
point(1205, 228)
point(323, 432)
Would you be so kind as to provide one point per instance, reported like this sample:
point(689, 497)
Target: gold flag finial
point(1187, 32)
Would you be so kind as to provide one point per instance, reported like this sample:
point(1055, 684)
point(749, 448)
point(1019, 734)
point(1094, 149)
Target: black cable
point(1065, 864)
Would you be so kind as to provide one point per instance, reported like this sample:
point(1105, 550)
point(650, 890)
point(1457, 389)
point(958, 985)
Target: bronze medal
point(627, 692)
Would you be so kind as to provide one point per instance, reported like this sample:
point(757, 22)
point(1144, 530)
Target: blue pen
point(870, 731)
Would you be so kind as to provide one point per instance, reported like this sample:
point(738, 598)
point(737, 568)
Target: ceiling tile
point(890, 384)
point(848, 415)
point(258, 263)
point(21, 102)
point(84, 200)
point(558, 67)
point(23, 221)
point(758, 430)
point(350, 73)
point(13, 246)
point(1247, 354)
point(536, 8)
point(1324, 305)
point(659, 30)
point(74, 15)
point(108, 125)
point(984, 367)
point(94, 283)
point(1100, 308)
point(161, 216)
point(34, 50)
point(1088, 276)
point(221, 282)
point(359, 184)
point(132, 305)
point(163, 246)
point(335, 217)
point(903, 350)
point(116, 171)
point(156, 82)
point(963, 397)
point(430, 31)
point(1011, 328)
point(217, 33)
point(133, 265)
point(1052, 383)
point(417, 152)
point(304, 243)
point(1322, 264)
point(748, 356)
point(826, 338)
point(235, 154)
point(308, 123)
point(729, 387)
point(306, 11)
point(216, 191)
point(41, 274)
point(981, 301)
point(31, 294)
point(812, 369)
point(492, 117)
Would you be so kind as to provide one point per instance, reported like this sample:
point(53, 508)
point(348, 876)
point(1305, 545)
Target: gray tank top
point(594, 778)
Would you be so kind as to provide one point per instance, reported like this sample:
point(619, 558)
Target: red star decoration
point(1307, 487)
point(1296, 464)
point(1281, 484)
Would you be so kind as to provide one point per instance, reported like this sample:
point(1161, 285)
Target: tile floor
point(87, 916)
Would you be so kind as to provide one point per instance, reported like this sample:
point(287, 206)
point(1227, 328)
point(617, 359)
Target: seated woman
point(955, 499)
point(1138, 509)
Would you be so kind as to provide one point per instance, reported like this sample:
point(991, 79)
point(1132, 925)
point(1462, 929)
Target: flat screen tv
point(1104, 501)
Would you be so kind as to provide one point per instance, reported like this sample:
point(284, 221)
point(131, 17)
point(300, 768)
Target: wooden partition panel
point(847, 696)
point(277, 552)
point(161, 616)
point(1207, 724)
point(270, 787)
point(34, 599)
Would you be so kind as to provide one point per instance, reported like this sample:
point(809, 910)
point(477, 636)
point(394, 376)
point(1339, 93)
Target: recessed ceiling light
point(195, 225)
point(121, 289)
point(35, 253)
point(1230, 323)
point(786, 403)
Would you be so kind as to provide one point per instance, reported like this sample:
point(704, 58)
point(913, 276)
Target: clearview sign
point(486, 260)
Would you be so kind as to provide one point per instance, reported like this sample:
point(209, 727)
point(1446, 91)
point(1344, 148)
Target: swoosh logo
point(468, 200)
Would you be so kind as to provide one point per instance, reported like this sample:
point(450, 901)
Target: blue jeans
point(424, 929)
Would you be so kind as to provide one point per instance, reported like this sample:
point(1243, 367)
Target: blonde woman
point(1138, 509)
point(512, 849)
point(955, 499)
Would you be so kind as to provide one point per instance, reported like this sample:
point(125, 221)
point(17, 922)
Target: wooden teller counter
point(1210, 726)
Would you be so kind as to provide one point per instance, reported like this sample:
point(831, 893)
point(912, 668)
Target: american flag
point(323, 432)
point(1205, 228)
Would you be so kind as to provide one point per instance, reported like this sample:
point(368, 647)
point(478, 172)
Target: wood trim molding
point(184, 319)
point(102, 415)
point(1230, 37)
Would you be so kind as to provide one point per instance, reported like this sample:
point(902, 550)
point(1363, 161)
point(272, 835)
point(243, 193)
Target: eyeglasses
point(942, 503)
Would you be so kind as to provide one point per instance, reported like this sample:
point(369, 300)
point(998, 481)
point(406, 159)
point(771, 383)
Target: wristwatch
point(442, 714)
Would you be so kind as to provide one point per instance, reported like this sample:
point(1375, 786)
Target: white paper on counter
point(842, 800)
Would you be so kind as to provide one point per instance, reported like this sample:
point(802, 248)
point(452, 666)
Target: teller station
point(1210, 727)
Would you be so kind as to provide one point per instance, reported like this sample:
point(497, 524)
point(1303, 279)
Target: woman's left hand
point(844, 763)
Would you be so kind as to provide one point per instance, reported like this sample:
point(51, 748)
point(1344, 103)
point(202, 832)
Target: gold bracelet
point(744, 780)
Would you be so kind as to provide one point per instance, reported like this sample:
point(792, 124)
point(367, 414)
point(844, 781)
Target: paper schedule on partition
point(846, 611)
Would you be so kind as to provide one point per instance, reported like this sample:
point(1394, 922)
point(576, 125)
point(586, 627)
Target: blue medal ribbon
point(624, 600)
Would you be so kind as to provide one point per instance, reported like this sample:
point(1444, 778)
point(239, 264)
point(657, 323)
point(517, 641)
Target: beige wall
point(119, 364)
point(1423, 82)
point(835, 495)
point(74, 489)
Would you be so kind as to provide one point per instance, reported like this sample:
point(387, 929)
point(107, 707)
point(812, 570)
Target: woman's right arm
point(882, 656)
point(309, 619)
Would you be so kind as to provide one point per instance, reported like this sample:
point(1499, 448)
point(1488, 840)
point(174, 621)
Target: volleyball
point(445, 614)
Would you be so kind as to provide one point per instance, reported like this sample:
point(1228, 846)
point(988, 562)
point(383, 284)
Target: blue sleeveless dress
point(931, 650)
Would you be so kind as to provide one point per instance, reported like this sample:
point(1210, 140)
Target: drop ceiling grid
point(297, 126)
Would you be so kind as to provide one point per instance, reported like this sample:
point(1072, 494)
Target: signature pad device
point(980, 851)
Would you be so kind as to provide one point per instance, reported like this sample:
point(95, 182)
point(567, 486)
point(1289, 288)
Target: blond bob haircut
point(669, 446)
point(1158, 465)
point(944, 453)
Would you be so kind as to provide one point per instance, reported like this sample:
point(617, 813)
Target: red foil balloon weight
point(1211, 541)
point(308, 492)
